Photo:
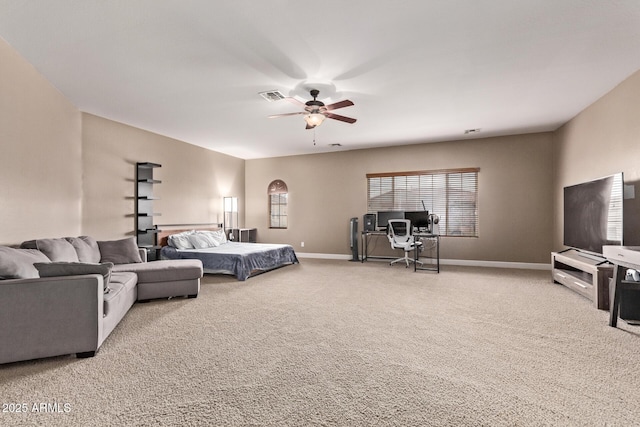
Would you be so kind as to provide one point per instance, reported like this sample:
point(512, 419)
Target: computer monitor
point(419, 219)
point(385, 216)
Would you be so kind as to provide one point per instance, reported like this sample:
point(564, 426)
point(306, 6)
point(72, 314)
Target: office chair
point(400, 235)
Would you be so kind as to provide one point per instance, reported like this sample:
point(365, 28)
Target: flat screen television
point(593, 214)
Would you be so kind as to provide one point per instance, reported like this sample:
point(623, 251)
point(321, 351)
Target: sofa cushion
point(122, 251)
point(52, 269)
point(86, 248)
point(165, 270)
point(18, 263)
point(55, 249)
point(121, 284)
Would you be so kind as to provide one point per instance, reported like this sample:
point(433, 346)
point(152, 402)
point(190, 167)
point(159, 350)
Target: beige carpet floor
point(337, 343)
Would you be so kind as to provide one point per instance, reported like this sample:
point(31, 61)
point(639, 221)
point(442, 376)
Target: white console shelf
point(586, 274)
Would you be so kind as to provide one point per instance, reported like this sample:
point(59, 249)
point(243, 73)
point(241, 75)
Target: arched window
point(278, 204)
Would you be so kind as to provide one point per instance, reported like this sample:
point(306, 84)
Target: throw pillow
point(18, 263)
point(54, 249)
point(54, 269)
point(86, 247)
point(122, 251)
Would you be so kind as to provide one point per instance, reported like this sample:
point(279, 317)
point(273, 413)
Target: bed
point(241, 260)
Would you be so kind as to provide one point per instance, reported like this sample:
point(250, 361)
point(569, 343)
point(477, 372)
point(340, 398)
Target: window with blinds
point(452, 194)
point(614, 217)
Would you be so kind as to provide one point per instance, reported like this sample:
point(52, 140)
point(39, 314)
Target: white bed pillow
point(213, 236)
point(219, 236)
point(181, 240)
point(202, 239)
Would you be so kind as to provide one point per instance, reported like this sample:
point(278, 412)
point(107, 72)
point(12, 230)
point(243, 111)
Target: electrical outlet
point(302, 244)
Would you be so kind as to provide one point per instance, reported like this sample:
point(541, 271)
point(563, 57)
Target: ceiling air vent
point(272, 95)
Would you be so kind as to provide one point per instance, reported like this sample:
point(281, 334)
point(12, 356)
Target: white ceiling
point(417, 70)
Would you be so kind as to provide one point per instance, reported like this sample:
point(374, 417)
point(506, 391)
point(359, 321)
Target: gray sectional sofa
point(66, 295)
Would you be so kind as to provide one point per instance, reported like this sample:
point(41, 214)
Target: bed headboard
point(164, 233)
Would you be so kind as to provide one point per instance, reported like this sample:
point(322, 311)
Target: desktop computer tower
point(369, 222)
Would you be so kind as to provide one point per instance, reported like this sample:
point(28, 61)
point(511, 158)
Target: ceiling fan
point(315, 111)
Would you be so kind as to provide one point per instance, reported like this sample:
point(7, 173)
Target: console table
point(584, 273)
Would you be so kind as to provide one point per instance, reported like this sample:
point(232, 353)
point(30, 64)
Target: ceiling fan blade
point(340, 104)
point(339, 117)
point(296, 102)
point(287, 114)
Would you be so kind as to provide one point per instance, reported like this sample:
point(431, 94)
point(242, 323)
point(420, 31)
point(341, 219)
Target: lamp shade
point(314, 119)
point(231, 204)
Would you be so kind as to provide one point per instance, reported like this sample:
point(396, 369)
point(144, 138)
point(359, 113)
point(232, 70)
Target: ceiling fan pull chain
point(314, 136)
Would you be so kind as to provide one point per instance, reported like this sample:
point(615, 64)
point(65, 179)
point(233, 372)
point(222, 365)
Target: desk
point(435, 238)
point(366, 235)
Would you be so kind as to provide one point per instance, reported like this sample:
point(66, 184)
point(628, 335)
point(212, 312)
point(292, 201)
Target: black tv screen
point(593, 214)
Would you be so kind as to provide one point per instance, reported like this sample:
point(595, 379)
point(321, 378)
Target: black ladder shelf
point(146, 231)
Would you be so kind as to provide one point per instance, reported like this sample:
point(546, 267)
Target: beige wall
point(326, 190)
point(602, 140)
point(64, 173)
point(67, 173)
point(194, 180)
point(40, 149)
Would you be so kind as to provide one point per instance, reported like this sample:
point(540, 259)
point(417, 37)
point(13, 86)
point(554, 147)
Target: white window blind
point(614, 218)
point(452, 194)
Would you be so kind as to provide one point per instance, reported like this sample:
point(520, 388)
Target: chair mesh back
point(399, 230)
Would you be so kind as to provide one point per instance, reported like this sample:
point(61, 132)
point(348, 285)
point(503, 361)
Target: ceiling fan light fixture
point(314, 119)
point(314, 111)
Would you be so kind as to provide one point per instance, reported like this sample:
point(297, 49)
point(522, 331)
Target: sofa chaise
point(66, 295)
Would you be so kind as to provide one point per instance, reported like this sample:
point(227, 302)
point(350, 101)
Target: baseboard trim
point(460, 262)
point(496, 264)
point(322, 256)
